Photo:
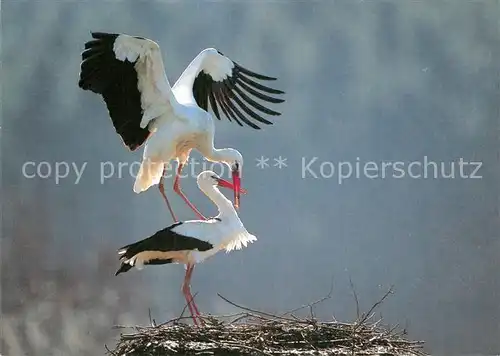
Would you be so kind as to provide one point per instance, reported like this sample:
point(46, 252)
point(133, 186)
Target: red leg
point(189, 272)
point(177, 189)
point(187, 294)
point(161, 187)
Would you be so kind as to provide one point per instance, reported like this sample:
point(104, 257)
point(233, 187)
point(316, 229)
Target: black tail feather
point(124, 267)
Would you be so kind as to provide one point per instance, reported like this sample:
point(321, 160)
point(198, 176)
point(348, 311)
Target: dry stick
point(407, 326)
point(175, 319)
point(391, 330)
point(108, 350)
point(355, 297)
point(123, 327)
point(234, 344)
point(152, 322)
point(310, 305)
point(368, 317)
point(311, 312)
point(253, 310)
point(375, 324)
point(359, 322)
point(185, 306)
point(390, 291)
point(240, 317)
point(178, 318)
point(353, 341)
point(295, 320)
point(307, 341)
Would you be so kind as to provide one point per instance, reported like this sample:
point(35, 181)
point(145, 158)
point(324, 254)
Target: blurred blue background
point(379, 81)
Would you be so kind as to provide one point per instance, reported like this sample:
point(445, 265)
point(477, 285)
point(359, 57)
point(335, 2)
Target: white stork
point(192, 241)
point(128, 72)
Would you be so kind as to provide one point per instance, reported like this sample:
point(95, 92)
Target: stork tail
point(149, 174)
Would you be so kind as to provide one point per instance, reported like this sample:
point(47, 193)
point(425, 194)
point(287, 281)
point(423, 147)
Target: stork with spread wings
point(128, 72)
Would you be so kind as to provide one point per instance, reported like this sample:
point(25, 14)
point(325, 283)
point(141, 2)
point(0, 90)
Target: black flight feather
point(116, 81)
point(230, 95)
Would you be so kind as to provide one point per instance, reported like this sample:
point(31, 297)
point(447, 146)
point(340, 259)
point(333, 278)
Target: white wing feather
point(217, 233)
point(218, 66)
point(156, 94)
point(209, 230)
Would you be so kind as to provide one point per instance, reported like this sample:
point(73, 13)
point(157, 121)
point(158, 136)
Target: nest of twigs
point(257, 333)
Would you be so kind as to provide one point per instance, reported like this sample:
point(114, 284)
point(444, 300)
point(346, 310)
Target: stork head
point(210, 178)
point(234, 160)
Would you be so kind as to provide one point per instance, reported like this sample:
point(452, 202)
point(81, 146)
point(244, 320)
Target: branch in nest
point(369, 314)
point(311, 305)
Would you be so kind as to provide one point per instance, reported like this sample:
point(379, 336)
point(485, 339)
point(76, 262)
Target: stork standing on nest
point(192, 241)
point(127, 71)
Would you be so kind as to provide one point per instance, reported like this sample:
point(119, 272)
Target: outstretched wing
point(213, 77)
point(128, 72)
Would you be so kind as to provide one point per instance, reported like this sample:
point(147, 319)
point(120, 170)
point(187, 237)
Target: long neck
point(211, 153)
point(225, 206)
point(214, 154)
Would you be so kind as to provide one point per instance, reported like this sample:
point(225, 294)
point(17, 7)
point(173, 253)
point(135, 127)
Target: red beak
point(236, 187)
point(233, 186)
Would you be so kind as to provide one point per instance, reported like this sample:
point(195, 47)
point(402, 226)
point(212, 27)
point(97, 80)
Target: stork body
point(128, 73)
point(192, 241)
